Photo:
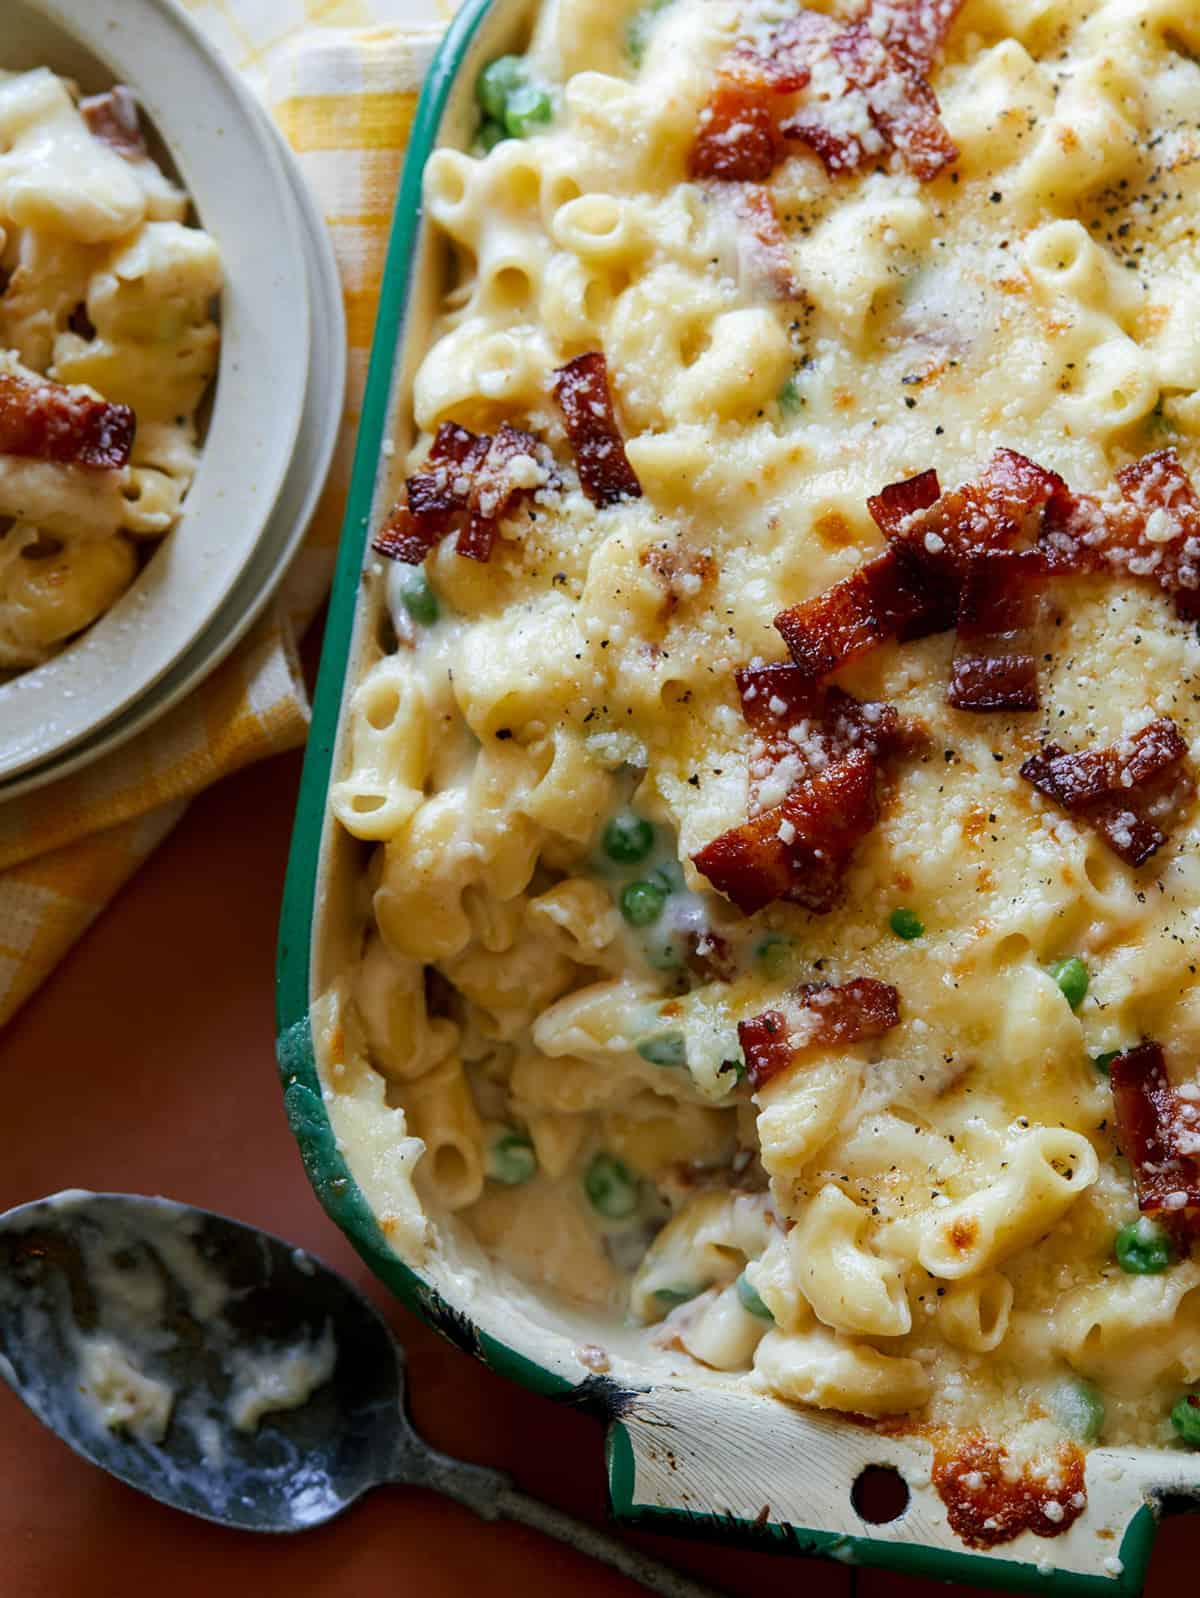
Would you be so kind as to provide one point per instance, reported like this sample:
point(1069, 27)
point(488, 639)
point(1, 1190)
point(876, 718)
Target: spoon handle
point(492, 1495)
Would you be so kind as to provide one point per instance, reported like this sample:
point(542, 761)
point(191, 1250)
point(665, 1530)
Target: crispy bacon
point(1159, 1132)
point(820, 1014)
point(738, 141)
point(989, 1499)
point(113, 119)
point(898, 109)
point(994, 667)
point(895, 594)
point(1150, 528)
point(922, 582)
point(468, 483)
point(785, 708)
point(809, 724)
point(46, 421)
point(582, 391)
point(1113, 787)
point(798, 849)
point(916, 28)
point(875, 64)
point(896, 502)
point(804, 732)
point(1000, 510)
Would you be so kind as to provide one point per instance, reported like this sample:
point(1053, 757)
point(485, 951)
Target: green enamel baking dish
point(694, 1458)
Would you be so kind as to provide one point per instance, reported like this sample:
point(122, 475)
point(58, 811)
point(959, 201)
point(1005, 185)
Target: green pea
point(628, 838)
point(639, 28)
point(642, 903)
point(497, 81)
point(906, 924)
point(1072, 978)
point(749, 1300)
point(774, 954)
point(1185, 1418)
point(671, 1297)
point(1142, 1248)
point(1079, 1409)
point(668, 1048)
point(491, 133)
point(1103, 1062)
point(528, 109)
point(610, 1186)
point(419, 599)
point(789, 399)
point(511, 1159)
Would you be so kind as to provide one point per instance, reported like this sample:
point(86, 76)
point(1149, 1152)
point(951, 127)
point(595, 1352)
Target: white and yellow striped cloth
point(341, 78)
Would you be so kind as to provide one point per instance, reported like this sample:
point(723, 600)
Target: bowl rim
point(262, 374)
point(324, 1160)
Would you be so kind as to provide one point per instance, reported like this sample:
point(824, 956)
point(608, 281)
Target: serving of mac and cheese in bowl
point(142, 261)
point(754, 973)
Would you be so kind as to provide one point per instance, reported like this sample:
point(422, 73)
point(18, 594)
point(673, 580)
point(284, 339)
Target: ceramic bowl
point(286, 525)
point(690, 1451)
point(227, 159)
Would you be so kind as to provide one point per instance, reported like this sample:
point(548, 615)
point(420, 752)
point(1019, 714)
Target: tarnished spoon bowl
point(214, 1319)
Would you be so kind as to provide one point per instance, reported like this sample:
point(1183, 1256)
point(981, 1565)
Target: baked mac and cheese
point(778, 774)
point(107, 346)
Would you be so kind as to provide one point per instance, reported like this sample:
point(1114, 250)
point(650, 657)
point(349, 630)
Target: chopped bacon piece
point(917, 586)
point(997, 607)
point(916, 28)
point(402, 537)
point(896, 502)
point(1113, 786)
point(797, 850)
point(738, 141)
point(1159, 1132)
point(776, 696)
point(468, 483)
point(898, 109)
point(582, 391)
point(874, 66)
point(786, 64)
point(1150, 528)
point(1160, 492)
point(46, 421)
point(810, 724)
point(113, 119)
point(991, 1499)
point(896, 593)
point(821, 1014)
point(1000, 510)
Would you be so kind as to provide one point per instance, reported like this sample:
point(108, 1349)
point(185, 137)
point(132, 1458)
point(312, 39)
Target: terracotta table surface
point(146, 1064)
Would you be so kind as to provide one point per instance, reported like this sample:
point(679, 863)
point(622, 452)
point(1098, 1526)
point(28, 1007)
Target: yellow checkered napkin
point(341, 78)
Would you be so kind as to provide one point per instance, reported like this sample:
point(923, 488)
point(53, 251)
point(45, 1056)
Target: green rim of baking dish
point(327, 1169)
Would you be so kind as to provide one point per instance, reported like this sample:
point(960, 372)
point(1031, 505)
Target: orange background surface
point(146, 1065)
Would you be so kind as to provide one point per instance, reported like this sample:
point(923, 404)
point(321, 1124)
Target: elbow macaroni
point(923, 1223)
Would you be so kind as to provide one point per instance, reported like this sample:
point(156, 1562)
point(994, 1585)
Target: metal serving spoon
point(161, 1343)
